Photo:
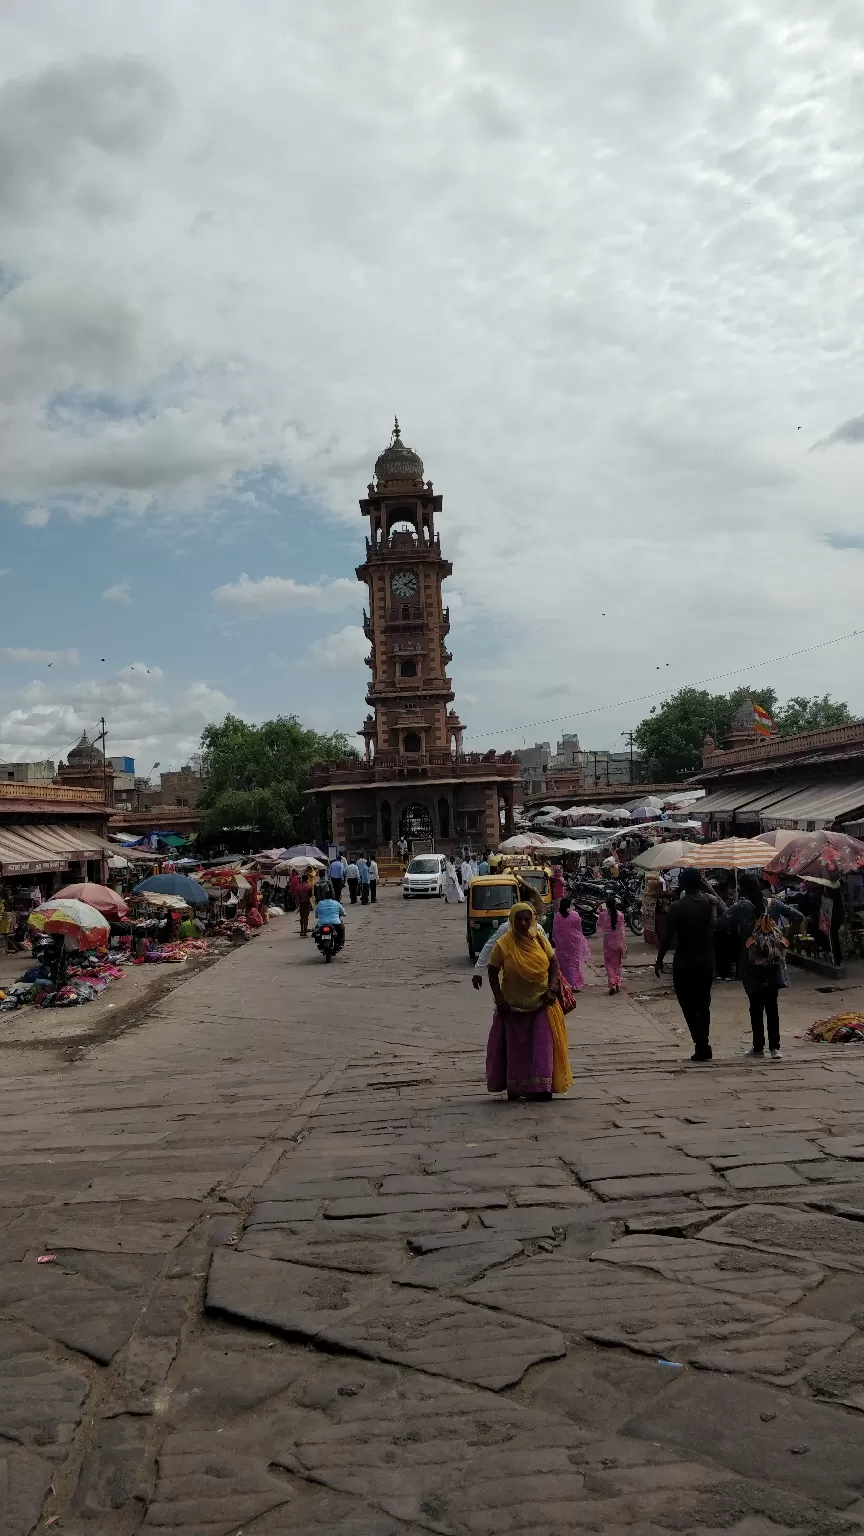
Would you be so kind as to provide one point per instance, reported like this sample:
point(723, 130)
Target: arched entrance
point(415, 824)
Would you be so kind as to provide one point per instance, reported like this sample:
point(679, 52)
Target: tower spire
point(397, 430)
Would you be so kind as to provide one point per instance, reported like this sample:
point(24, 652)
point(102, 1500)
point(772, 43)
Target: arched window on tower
point(412, 742)
point(407, 669)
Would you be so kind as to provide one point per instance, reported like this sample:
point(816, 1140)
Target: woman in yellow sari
point(527, 1051)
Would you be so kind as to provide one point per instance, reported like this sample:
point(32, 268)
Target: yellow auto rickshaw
point(490, 898)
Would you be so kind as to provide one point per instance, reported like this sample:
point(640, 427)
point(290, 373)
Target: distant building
point(535, 764)
point(86, 768)
point(124, 782)
point(568, 754)
point(604, 767)
point(181, 788)
point(27, 773)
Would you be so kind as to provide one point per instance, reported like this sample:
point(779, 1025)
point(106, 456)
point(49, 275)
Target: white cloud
point(36, 517)
point(27, 653)
point(121, 593)
point(281, 594)
point(143, 714)
point(343, 652)
point(604, 229)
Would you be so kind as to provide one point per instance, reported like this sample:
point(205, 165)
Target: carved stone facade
point(417, 781)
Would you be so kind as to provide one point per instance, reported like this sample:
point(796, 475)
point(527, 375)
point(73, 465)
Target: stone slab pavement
point(306, 1276)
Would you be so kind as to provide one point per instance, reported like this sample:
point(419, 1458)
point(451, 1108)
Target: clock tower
point(416, 782)
point(406, 623)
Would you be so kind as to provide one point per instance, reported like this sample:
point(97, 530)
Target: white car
point(424, 876)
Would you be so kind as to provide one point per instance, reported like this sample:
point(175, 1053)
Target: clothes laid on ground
point(841, 1027)
point(572, 949)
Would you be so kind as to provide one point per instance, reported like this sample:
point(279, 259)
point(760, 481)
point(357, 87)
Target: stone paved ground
point(309, 1278)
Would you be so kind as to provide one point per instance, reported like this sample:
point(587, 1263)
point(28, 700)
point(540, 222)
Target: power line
point(640, 698)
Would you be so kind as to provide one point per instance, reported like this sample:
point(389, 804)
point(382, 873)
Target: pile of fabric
point(839, 1028)
point(23, 992)
point(168, 954)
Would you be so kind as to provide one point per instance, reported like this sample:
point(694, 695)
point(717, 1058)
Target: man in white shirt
point(481, 964)
point(373, 880)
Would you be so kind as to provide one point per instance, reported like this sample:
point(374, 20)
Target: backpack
point(766, 943)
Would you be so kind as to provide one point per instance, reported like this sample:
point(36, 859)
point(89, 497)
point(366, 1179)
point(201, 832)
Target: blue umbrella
point(174, 885)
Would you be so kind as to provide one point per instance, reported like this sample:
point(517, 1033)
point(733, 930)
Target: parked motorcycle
point(330, 938)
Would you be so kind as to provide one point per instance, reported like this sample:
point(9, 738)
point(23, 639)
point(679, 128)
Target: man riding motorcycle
point(330, 913)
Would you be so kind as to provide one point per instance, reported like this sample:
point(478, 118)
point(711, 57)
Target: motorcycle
point(329, 937)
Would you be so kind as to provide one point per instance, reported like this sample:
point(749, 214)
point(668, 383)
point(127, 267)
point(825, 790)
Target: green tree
point(670, 737)
point(255, 777)
point(816, 714)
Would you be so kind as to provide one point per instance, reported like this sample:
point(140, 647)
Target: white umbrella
point(523, 843)
point(662, 856)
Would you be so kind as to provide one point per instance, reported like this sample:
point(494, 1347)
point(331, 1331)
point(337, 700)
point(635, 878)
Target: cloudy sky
point(603, 260)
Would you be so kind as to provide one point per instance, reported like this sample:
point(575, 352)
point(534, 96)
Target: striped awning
point(45, 847)
point(822, 804)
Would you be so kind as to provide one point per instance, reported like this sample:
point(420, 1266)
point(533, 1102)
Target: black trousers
point(364, 893)
point(373, 890)
point(352, 890)
point(337, 888)
point(763, 1000)
point(692, 985)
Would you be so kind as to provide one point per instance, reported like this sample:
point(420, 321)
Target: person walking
point(403, 849)
point(762, 963)
point(337, 876)
point(304, 904)
point(572, 949)
point(452, 889)
point(373, 880)
point(691, 923)
point(527, 1049)
point(352, 877)
point(293, 883)
point(365, 879)
point(610, 922)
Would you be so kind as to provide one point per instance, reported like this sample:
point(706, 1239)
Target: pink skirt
point(519, 1054)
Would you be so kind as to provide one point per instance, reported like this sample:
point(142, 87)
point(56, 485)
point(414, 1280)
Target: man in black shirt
point(690, 923)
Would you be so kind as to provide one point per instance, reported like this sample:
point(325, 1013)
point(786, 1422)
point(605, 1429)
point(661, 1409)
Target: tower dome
point(398, 462)
point(85, 752)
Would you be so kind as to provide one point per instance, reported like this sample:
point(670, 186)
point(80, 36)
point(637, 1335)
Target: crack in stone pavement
point(309, 1277)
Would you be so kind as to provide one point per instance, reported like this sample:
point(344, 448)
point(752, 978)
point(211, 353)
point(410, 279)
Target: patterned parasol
point(819, 855)
point(729, 853)
point(75, 918)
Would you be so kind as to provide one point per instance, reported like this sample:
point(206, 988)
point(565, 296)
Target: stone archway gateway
point(415, 824)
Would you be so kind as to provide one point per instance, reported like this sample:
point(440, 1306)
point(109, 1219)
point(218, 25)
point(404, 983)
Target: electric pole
point(102, 738)
point(628, 736)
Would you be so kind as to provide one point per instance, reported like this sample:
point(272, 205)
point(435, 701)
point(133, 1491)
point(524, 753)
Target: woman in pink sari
point(572, 949)
point(610, 922)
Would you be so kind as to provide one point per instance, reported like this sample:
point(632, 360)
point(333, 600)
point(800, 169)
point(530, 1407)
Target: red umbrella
point(106, 901)
point(819, 856)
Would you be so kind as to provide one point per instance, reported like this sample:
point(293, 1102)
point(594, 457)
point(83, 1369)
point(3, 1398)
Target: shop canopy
point(788, 802)
point(821, 803)
point(45, 847)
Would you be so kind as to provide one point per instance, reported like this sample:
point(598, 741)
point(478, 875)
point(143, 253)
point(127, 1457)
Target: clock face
point(405, 584)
